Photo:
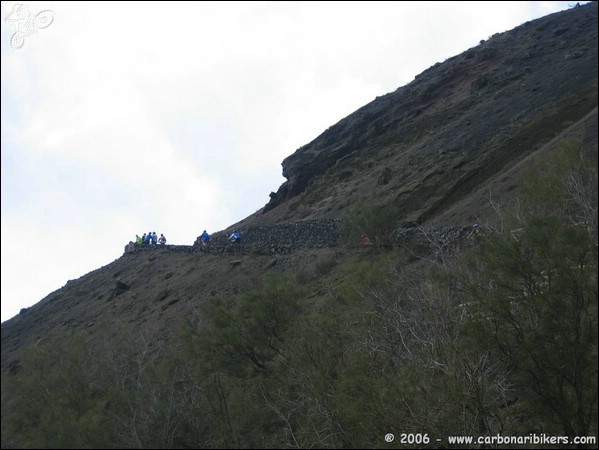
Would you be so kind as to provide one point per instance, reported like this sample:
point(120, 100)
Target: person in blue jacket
point(235, 236)
point(205, 238)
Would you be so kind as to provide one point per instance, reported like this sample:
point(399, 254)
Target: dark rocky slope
point(435, 150)
point(431, 143)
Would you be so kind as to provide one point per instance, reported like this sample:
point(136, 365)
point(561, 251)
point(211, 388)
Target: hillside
point(442, 153)
point(433, 142)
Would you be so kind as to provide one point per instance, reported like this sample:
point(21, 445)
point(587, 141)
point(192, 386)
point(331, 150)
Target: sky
point(128, 117)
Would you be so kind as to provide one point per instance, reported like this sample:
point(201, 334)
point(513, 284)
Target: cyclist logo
point(25, 24)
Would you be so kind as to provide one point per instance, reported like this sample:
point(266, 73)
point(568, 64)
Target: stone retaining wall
point(263, 239)
point(288, 237)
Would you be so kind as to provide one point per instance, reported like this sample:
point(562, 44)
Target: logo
point(25, 24)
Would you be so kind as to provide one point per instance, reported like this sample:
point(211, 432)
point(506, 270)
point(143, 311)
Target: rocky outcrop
point(467, 118)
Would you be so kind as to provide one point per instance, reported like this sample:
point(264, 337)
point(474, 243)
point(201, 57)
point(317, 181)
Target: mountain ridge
point(417, 122)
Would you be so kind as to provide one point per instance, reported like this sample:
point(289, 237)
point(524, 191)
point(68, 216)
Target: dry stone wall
point(286, 238)
point(263, 239)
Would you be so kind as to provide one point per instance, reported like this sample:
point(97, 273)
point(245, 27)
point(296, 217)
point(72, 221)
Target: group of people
point(150, 238)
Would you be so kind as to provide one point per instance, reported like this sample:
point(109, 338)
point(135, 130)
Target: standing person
point(205, 238)
point(162, 239)
point(154, 238)
point(148, 238)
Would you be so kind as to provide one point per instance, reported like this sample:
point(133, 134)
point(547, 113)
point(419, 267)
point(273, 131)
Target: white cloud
point(126, 117)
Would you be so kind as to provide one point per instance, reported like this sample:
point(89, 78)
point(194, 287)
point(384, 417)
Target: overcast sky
point(122, 118)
